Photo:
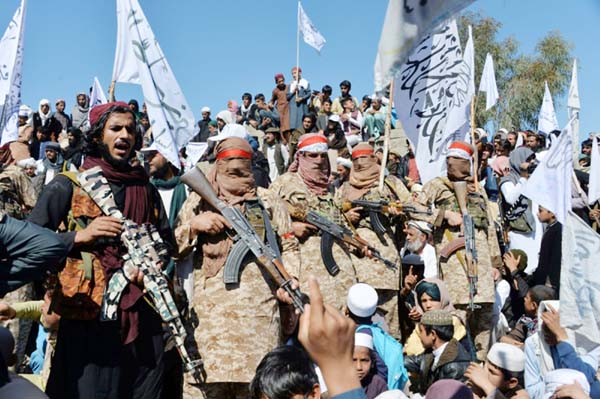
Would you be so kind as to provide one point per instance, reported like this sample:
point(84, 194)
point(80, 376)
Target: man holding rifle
point(303, 189)
point(376, 228)
point(468, 251)
point(234, 294)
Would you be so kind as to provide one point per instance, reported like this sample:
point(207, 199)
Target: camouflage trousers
point(219, 390)
point(387, 307)
point(480, 324)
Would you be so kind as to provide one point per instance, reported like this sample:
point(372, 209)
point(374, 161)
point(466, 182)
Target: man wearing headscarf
point(363, 185)
point(92, 358)
point(50, 166)
point(236, 324)
point(305, 188)
point(41, 117)
point(440, 193)
point(280, 101)
point(524, 229)
point(79, 115)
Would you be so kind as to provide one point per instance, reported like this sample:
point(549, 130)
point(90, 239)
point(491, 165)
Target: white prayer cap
point(345, 162)
point(362, 300)
point(363, 339)
point(420, 225)
point(24, 163)
point(481, 132)
point(24, 111)
point(230, 130)
point(507, 357)
point(557, 378)
point(393, 394)
point(334, 118)
point(205, 109)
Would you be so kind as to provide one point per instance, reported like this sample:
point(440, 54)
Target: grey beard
point(415, 246)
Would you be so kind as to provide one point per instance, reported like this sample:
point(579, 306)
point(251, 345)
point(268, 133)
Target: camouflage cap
point(437, 318)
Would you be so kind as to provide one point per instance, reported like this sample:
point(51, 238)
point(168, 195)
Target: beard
point(118, 164)
point(415, 246)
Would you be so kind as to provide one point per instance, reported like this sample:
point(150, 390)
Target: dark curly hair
point(92, 139)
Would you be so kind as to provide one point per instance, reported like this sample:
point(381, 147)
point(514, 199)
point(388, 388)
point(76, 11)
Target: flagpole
point(298, 43)
point(111, 91)
point(386, 140)
point(476, 152)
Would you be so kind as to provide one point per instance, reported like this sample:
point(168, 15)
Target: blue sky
point(218, 50)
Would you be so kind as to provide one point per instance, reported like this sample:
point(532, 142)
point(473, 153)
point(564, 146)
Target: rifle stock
point(265, 255)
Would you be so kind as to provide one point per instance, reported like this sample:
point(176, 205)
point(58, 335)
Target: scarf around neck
point(137, 207)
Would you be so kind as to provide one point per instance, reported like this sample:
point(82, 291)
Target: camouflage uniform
point(16, 195)
point(291, 188)
point(385, 280)
point(233, 326)
point(16, 192)
point(440, 194)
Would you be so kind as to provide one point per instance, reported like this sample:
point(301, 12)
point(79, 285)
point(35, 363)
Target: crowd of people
point(401, 304)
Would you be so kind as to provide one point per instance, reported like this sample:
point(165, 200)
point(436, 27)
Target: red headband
point(234, 154)
point(312, 140)
point(360, 153)
point(462, 146)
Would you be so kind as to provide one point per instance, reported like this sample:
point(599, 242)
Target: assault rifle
point(460, 189)
point(145, 250)
point(331, 232)
point(376, 209)
point(246, 235)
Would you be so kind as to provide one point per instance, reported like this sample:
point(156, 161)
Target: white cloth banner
point(195, 151)
point(550, 183)
point(594, 186)
point(171, 118)
point(488, 83)
point(310, 33)
point(428, 86)
point(11, 63)
point(547, 121)
point(580, 282)
point(97, 95)
point(406, 24)
point(457, 125)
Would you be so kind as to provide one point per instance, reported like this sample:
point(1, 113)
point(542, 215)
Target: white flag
point(550, 183)
point(194, 151)
point(580, 282)
point(311, 35)
point(573, 101)
point(457, 125)
point(594, 186)
point(488, 82)
point(11, 62)
point(574, 106)
point(406, 24)
point(97, 95)
point(170, 116)
point(432, 82)
point(547, 121)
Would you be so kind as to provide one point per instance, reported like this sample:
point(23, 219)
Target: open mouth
point(122, 147)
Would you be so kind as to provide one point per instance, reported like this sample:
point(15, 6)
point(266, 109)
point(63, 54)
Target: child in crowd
point(528, 323)
point(501, 376)
point(364, 361)
point(284, 373)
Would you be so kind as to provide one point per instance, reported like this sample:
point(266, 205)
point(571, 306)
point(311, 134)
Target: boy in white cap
point(501, 376)
point(364, 362)
point(360, 307)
